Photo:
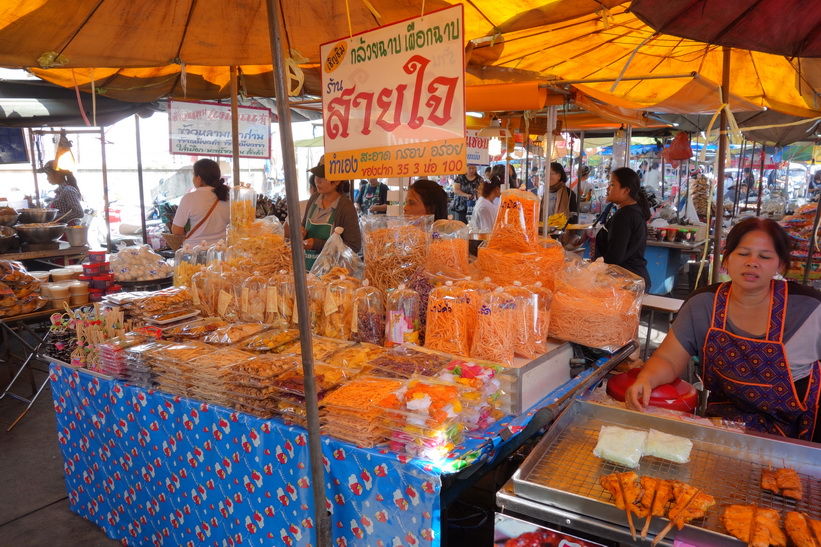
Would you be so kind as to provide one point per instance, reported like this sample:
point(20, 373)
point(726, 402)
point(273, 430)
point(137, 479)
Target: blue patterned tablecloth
point(151, 468)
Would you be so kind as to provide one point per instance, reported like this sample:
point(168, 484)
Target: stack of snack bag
point(596, 305)
point(353, 412)
point(514, 250)
point(138, 370)
point(799, 228)
point(395, 248)
point(210, 375)
point(113, 361)
point(170, 365)
point(288, 396)
point(405, 362)
point(249, 383)
point(18, 290)
point(482, 393)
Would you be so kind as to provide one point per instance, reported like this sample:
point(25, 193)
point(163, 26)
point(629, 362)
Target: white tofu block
point(668, 447)
point(622, 446)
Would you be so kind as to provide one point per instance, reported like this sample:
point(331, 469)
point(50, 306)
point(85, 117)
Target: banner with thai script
point(204, 129)
point(394, 99)
point(477, 148)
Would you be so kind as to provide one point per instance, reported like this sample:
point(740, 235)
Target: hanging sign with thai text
point(394, 99)
point(204, 129)
point(477, 148)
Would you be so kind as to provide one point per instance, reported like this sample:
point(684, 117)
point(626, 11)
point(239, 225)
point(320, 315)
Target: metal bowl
point(40, 234)
point(7, 238)
point(574, 236)
point(9, 220)
point(30, 216)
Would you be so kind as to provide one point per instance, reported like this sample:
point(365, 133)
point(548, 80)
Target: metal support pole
point(34, 169)
point(662, 173)
point(235, 127)
point(722, 155)
point(760, 181)
point(552, 115)
point(106, 204)
point(813, 239)
point(140, 178)
point(578, 178)
point(750, 186)
point(321, 516)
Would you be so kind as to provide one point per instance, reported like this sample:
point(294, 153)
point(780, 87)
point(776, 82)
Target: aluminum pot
point(31, 216)
point(37, 233)
point(7, 238)
point(9, 219)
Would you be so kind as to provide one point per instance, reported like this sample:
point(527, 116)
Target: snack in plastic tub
point(450, 318)
point(337, 311)
point(596, 305)
point(496, 332)
point(448, 249)
point(619, 445)
point(368, 315)
point(394, 248)
point(402, 317)
point(335, 254)
point(668, 447)
point(517, 223)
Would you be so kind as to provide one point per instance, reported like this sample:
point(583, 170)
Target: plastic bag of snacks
point(542, 264)
point(17, 290)
point(185, 265)
point(517, 223)
point(496, 333)
point(526, 342)
point(449, 320)
point(243, 206)
point(448, 249)
point(596, 305)
point(402, 317)
point(395, 247)
point(337, 310)
point(368, 315)
point(335, 254)
point(252, 298)
point(139, 263)
point(544, 301)
point(316, 301)
point(279, 298)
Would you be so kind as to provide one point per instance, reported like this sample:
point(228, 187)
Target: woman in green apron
point(328, 208)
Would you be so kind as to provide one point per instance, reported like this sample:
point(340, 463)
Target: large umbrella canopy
point(614, 43)
point(781, 27)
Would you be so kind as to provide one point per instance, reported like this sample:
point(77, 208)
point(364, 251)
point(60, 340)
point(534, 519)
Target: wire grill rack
point(569, 466)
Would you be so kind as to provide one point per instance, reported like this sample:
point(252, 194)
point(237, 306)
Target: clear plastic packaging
point(368, 315)
point(252, 298)
point(233, 333)
point(335, 254)
point(494, 338)
point(450, 318)
point(216, 253)
point(542, 264)
point(517, 223)
point(243, 206)
point(323, 347)
point(544, 302)
point(316, 301)
point(405, 362)
point(259, 371)
point(394, 247)
point(596, 305)
point(356, 357)
point(337, 310)
point(194, 330)
point(668, 447)
point(269, 340)
point(402, 317)
point(448, 250)
point(525, 326)
point(139, 263)
point(619, 445)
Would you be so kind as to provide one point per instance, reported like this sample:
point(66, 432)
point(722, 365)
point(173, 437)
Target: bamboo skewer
point(627, 507)
point(646, 527)
point(671, 523)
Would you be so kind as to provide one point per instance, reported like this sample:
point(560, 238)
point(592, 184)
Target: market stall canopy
point(781, 27)
point(34, 103)
point(770, 128)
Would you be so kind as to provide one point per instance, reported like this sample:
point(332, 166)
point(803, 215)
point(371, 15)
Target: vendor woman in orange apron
point(758, 338)
point(328, 208)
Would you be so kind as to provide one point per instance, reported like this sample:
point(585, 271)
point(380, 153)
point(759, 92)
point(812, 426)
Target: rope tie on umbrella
point(733, 130)
point(295, 73)
point(51, 59)
point(183, 76)
point(93, 98)
point(79, 99)
point(348, 14)
point(372, 10)
point(604, 13)
point(629, 60)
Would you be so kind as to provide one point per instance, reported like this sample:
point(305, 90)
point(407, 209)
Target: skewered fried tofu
point(784, 481)
point(690, 503)
point(625, 489)
point(757, 526)
point(657, 492)
point(802, 530)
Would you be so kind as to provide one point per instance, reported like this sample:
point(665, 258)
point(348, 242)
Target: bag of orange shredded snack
point(448, 250)
point(493, 338)
point(517, 223)
point(449, 320)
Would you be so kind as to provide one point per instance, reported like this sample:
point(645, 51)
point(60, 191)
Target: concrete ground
point(34, 508)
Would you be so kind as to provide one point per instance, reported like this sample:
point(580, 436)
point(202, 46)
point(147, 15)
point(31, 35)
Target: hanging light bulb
point(494, 147)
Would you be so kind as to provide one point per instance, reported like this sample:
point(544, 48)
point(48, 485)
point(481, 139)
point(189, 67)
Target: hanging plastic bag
point(368, 315)
point(395, 248)
point(335, 254)
point(596, 305)
point(517, 223)
point(448, 250)
point(679, 148)
point(402, 317)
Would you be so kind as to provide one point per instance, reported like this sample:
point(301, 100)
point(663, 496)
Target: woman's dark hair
point(630, 179)
point(779, 237)
point(490, 186)
point(209, 172)
point(557, 167)
point(312, 183)
point(343, 187)
point(433, 196)
point(69, 179)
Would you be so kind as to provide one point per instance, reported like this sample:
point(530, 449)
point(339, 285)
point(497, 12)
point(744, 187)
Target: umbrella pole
point(321, 516)
point(760, 182)
point(34, 169)
point(234, 127)
point(140, 177)
point(722, 155)
point(106, 204)
point(750, 186)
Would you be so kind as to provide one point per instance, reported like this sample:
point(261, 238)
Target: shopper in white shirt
point(207, 208)
point(487, 206)
point(652, 178)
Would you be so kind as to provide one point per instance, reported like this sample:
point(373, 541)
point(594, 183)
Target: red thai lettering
point(441, 104)
point(383, 101)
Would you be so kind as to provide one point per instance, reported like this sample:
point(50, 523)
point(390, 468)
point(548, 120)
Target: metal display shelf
point(559, 482)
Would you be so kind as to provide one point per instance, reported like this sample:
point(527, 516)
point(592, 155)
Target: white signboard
point(204, 129)
point(477, 148)
point(394, 99)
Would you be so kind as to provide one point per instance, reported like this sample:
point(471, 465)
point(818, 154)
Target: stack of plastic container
point(113, 360)
point(171, 368)
point(354, 411)
point(209, 375)
point(249, 388)
point(290, 389)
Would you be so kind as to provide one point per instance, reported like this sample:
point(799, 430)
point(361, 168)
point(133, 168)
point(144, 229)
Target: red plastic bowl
point(677, 395)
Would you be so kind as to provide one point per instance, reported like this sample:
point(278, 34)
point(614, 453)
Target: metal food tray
point(562, 471)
